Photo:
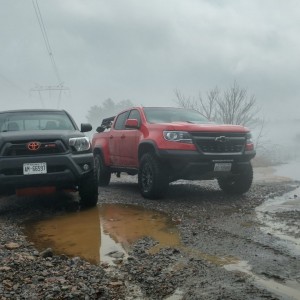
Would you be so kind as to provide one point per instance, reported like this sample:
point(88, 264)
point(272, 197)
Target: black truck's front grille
point(219, 143)
point(44, 148)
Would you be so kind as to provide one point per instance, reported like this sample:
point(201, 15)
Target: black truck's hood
point(38, 135)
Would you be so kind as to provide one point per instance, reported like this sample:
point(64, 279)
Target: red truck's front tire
point(238, 184)
point(152, 177)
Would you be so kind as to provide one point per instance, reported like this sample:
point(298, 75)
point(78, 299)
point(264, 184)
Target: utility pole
point(50, 88)
point(39, 88)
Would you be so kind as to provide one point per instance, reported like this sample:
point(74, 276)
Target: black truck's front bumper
point(63, 171)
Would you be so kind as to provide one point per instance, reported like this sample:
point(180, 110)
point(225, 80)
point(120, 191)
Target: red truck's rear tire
point(103, 174)
point(152, 177)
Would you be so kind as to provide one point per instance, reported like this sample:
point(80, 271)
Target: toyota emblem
point(33, 146)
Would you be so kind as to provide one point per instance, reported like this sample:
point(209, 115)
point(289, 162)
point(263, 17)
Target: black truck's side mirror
point(85, 127)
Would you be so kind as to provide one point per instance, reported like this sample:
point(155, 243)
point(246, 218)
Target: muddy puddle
point(103, 233)
point(278, 215)
point(286, 228)
point(288, 289)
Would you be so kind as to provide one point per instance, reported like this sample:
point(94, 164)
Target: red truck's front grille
point(219, 143)
point(22, 149)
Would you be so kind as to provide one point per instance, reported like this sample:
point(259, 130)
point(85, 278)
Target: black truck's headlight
point(80, 143)
point(178, 136)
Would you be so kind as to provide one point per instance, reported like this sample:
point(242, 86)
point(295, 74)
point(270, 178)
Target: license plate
point(34, 168)
point(222, 167)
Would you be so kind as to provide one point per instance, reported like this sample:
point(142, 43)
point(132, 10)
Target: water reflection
point(285, 228)
point(125, 224)
point(92, 234)
point(73, 234)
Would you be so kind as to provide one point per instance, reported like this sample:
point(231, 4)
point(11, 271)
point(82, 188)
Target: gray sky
point(144, 50)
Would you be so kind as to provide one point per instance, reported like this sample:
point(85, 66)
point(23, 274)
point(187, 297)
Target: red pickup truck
point(164, 144)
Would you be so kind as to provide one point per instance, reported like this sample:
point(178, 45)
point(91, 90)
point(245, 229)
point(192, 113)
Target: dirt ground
point(230, 247)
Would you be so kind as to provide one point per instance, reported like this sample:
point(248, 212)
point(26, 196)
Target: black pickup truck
point(45, 148)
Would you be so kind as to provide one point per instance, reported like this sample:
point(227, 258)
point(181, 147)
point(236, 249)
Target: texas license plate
point(34, 168)
point(222, 167)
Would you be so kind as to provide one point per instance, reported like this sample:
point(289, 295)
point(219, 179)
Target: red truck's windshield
point(169, 115)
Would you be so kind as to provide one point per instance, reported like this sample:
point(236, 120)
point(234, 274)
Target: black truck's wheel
point(88, 190)
point(103, 174)
point(152, 177)
point(237, 184)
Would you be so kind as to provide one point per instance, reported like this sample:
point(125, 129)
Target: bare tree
point(232, 106)
point(260, 134)
point(207, 107)
point(236, 107)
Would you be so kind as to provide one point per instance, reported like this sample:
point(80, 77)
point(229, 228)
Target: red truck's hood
point(210, 127)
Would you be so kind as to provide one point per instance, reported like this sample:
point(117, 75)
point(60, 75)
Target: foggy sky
point(144, 50)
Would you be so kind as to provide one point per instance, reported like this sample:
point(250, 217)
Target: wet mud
point(197, 243)
point(96, 233)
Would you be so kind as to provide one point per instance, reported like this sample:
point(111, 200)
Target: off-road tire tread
point(237, 185)
point(160, 177)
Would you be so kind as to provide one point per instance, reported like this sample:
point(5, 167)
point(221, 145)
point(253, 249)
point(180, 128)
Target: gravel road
point(226, 249)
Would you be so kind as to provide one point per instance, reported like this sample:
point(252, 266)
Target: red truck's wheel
point(103, 174)
point(152, 177)
point(237, 184)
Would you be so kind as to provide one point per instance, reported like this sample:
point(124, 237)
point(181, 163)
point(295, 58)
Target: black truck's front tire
point(237, 184)
point(103, 174)
point(152, 177)
point(88, 191)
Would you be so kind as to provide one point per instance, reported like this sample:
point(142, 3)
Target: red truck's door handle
point(123, 136)
point(111, 137)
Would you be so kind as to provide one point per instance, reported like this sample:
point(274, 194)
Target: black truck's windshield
point(28, 120)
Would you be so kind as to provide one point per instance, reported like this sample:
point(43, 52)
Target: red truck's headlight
point(249, 143)
point(178, 136)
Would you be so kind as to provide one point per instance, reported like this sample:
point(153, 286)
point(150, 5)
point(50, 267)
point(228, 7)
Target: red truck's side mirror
point(132, 123)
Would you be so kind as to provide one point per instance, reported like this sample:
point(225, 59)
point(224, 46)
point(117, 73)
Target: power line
point(60, 87)
point(49, 88)
point(46, 40)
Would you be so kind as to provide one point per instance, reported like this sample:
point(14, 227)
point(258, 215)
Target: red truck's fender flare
point(147, 146)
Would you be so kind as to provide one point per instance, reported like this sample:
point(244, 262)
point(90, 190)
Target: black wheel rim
point(147, 177)
point(231, 182)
